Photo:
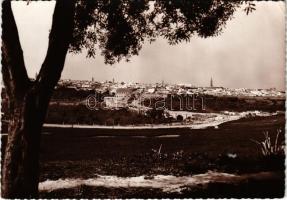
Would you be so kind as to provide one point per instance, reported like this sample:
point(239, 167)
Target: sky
point(250, 53)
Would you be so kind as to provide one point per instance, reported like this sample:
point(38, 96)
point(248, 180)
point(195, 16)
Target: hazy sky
point(249, 53)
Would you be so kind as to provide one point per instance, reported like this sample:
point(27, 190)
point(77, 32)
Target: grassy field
point(83, 153)
point(92, 144)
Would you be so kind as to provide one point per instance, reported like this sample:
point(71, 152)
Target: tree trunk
point(28, 101)
point(21, 162)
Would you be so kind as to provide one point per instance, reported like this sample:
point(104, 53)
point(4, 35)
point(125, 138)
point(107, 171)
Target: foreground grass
point(74, 153)
point(188, 164)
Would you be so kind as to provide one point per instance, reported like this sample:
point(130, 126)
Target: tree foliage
point(118, 28)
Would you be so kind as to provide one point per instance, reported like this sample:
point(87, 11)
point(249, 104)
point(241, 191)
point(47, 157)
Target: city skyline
point(247, 54)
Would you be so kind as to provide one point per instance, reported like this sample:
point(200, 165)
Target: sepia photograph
point(143, 99)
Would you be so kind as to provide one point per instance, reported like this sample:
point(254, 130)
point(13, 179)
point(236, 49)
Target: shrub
point(268, 148)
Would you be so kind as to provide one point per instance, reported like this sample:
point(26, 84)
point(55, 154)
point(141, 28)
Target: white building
point(120, 100)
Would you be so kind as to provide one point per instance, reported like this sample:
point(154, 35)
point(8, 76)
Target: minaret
point(211, 82)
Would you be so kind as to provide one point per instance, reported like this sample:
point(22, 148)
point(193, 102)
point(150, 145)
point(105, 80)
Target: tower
point(211, 82)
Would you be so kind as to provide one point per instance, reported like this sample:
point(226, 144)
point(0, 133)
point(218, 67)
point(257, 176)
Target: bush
point(268, 148)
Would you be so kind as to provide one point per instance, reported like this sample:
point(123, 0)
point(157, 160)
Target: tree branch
point(59, 41)
point(13, 67)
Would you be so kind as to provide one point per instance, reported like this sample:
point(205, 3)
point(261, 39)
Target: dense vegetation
point(71, 114)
